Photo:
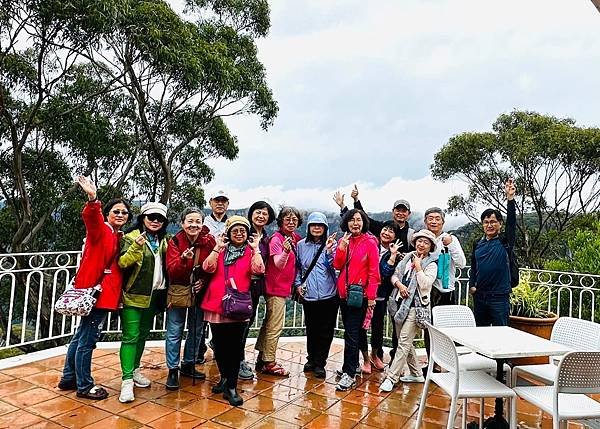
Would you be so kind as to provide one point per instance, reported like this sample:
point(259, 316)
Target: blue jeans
point(78, 365)
point(175, 323)
point(491, 309)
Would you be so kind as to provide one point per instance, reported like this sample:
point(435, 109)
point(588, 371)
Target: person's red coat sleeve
point(93, 220)
point(373, 273)
point(339, 258)
point(177, 267)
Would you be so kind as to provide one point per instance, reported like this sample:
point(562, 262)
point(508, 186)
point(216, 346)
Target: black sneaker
point(220, 386)
point(309, 367)
point(320, 372)
point(233, 397)
point(189, 370)
point(67, 384)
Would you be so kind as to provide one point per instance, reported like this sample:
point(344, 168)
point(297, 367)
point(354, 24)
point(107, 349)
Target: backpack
point(513, 264)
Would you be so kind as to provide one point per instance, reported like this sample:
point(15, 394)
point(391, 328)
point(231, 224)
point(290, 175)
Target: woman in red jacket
point(233, 261)
point(98, 266)
point(186, 252)
point(357, 258)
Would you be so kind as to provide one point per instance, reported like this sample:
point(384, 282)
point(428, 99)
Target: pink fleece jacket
point(281, 267)
point(363, 265)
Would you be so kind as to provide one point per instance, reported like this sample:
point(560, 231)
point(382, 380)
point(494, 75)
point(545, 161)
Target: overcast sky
point(368, 92)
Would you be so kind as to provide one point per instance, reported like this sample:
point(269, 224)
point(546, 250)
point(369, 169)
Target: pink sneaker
point(366, 367)
point(377, 363)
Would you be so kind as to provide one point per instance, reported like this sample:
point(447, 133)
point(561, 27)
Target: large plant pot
point(540, 327)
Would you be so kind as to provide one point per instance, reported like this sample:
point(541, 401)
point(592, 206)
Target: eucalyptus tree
point(556, 165)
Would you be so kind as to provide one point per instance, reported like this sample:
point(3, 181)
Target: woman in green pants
point(142, 259)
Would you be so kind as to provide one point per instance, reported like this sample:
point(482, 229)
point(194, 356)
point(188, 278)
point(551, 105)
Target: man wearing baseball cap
point(400, 213)
point(219, 202)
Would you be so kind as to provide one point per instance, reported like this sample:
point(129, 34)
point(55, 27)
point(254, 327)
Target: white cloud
point(421, 193)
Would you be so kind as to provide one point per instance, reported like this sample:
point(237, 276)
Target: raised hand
point(338, 197)
point(221, 241)
point(395, 247)
point(510, 189)
point(141, 239)
point(345, 241)
point(188, 253)
point(354, 193)
point(287, 245)
point(254, 242)
point(330, 241)
point(88, 187)
point(417, 261)
point(447, 239)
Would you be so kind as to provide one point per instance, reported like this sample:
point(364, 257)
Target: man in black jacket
point(400, 213)
point(490, 278)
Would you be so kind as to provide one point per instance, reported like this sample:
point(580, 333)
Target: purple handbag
point(236, 305)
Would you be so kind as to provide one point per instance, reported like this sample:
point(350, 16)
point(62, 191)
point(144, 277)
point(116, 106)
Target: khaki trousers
point(406, 350)
point(271, 329)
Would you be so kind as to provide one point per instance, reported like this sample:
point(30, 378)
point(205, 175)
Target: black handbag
point(354, 292)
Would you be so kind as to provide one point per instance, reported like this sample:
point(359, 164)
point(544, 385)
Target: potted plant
point(529, 312)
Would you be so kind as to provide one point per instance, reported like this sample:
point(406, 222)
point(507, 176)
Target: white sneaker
point(346, 383)
point(412, 379)
point(387, 385)
point(139, 380)
point(126, 391)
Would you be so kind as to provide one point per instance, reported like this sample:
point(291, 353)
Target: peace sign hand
point(88, 187)
point(188, 253)
point(221, 241)
point(345, 241)
point(330, 241)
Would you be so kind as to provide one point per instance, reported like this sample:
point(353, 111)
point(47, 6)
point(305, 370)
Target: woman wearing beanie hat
point(233, 261)
point(315, 284)
point(279, 280)
point(412, 280)
point(260, 214)
point(142, 259)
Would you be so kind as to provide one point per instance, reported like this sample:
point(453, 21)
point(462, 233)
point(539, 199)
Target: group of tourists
point(211, 275)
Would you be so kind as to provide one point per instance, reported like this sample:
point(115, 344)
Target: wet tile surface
point(29, 399)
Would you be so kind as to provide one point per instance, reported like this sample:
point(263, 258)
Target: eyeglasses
point(238, 231)
point(155, 217)
point(290, 219)
point(120, 212)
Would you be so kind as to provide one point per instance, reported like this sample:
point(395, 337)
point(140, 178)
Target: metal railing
point(30, 283)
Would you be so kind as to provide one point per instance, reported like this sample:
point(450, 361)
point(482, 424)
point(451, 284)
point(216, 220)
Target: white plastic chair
point(578, 334)
point(460, 384)
point(458, 316)
point(578, 375)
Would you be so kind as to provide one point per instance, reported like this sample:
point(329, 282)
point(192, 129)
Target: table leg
point(498, 421)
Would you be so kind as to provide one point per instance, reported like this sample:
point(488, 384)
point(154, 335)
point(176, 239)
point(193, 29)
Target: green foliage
point(528, 300)
point(556, 166)
point(127, 91)
point(584, 249)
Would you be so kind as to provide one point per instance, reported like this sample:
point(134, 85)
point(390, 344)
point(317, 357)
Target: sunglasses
point(155, 217)
point(120, 212)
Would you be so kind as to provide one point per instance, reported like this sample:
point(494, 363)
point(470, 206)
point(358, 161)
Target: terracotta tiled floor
point(29, 399)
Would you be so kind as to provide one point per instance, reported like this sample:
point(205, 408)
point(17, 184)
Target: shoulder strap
point(313, 262)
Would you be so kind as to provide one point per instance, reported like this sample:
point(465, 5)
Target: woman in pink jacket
point(234, 260)
point(279, 278)
point(357, 258)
